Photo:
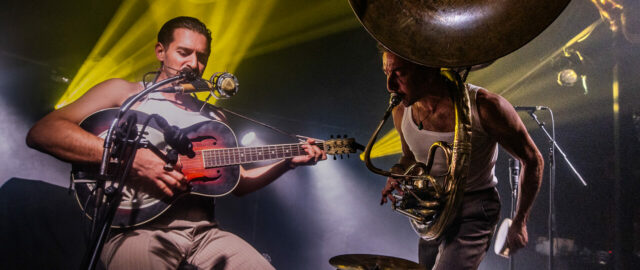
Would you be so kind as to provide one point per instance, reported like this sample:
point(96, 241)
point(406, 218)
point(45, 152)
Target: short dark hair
point(165, 35)
point(382, 49)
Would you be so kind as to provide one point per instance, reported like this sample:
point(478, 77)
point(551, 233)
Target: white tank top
point(484, 148)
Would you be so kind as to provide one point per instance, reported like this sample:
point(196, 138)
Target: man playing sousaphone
point(427, 115)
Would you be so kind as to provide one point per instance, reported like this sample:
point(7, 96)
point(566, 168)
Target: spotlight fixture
point(610, 11)
point(571, 66)
point(567, 77)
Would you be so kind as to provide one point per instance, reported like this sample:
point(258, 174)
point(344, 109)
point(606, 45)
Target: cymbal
point(371, 262)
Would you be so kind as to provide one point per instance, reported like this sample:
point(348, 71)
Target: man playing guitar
point(187, 233)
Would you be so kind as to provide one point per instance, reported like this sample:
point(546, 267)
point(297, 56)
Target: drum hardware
point(371, 262)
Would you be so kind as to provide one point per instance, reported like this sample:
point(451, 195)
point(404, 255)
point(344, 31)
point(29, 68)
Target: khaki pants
point(180, 238)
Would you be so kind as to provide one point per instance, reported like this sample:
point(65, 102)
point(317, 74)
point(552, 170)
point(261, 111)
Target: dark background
point(334, 85)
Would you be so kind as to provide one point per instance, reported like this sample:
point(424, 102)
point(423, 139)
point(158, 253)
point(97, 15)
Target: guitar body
point(138, 207)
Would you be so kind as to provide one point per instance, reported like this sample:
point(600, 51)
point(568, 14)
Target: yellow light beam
point(240, 29)
point(389, 144)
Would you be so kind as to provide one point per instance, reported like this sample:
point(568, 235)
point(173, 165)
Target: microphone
point(514, 167)
point(530, 108)
point(174, 137)
point(221, 85)
point(226, 85)
point(198, 85)
point(394, 99)
point(189, 74)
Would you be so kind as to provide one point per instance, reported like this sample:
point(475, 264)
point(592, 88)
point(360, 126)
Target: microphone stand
point(514, 173)
point(100, 220)
point(552, 175)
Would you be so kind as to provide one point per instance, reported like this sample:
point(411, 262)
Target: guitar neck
point(243, 155)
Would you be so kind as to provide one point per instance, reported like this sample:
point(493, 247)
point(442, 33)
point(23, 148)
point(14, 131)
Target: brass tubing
point(394, 100)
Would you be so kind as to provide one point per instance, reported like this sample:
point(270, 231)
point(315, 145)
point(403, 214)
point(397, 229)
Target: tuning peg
point(334, 158)
point(347, 155)
point(341, 157)
point(338, 136)
point(331, 136)
point(345, 136)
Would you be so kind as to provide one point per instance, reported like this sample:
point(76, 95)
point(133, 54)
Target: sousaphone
point(447, 34)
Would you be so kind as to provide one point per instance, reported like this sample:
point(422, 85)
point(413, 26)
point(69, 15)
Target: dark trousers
point(464, 244)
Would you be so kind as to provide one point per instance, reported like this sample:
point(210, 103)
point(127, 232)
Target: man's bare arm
point(257, 178)
point(501, 121)
point(58, 132)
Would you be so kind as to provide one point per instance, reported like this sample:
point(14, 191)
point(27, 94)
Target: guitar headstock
point(340, 146)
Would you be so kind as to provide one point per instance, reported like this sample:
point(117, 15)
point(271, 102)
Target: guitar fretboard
point(241, 155)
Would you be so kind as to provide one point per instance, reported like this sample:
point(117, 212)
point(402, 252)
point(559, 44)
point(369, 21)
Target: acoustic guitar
point(213, 171)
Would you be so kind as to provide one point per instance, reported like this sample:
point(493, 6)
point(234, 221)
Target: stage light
point(248, 138)
point(572, 68)
point(610, 11)
point(567, 77)
point(240, 29)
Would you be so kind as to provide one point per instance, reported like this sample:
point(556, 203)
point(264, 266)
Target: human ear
point(160, 51)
